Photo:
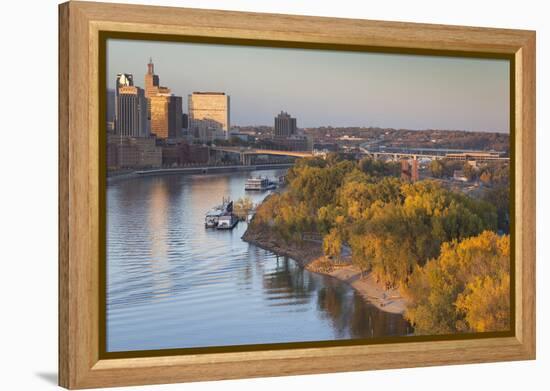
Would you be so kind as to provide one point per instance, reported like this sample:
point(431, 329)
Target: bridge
point(246, 153)
point(464, 155)
point(480, 156)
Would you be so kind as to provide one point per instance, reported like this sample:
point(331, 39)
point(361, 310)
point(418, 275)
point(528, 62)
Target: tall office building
point(110, 114)
point(151, 80)
point(152, 86)
point(209, 117)
point(185, 121)
point(164, 110)
point(166, 115)
point(122, 80)
point(285, 125)
point(131, 114)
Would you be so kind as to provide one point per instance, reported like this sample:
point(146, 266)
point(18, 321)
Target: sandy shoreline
point(385, 300)
point(373, 292)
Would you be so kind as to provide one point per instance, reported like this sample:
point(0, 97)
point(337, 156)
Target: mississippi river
point(171, 283)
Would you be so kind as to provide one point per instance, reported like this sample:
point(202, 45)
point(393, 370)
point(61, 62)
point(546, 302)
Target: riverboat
point(227, 221)
point(212, 217)
point(259, 184)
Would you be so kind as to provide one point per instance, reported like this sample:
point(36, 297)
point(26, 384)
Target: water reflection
point(171, 283)
point(351, 317)
point(287, 284)
point(158, 214)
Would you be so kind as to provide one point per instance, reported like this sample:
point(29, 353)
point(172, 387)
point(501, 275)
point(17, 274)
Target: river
point(171, 283)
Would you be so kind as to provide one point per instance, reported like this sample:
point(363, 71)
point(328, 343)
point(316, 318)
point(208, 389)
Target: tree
point(360, 254)
point(501, 173)
point(469, 171)
point(450, 166)
point(436, 168)
point(242, 207)
point(355, 196)
point(485, 303)
point(485, 177)
point(499, 197)
point(378, 168)
point(327, 217)
point(333, 158)
point(433, 243)
point(465, 289)
point(332, 244)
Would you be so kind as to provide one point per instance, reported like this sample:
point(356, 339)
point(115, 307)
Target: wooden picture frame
point(80, 206)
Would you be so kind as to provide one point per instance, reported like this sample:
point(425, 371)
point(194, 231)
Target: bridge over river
point(245, 154)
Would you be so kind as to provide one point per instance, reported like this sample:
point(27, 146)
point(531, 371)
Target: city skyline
point(329, 88)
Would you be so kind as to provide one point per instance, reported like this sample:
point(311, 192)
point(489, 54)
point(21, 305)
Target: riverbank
point(389, 300)
point(310, 256)
point(303, 255)
point(199, 170)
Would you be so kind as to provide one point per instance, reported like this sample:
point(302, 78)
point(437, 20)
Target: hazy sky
point(322, 88)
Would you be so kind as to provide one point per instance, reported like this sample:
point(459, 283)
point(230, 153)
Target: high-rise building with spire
point(152, 86)
point(164, 110)
point(151, 80)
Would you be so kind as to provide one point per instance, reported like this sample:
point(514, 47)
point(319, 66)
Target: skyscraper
point(209, 115)
point(151, 80)
point(111, 114)
point(131, 114)
point(166, 115)
point(164, 110)
point(152, 85)
point(122, 80)
point(285, 125)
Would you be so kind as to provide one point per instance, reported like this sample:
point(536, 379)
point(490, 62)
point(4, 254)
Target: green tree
point(378, 168)
point(450, 166)
point(499, 197)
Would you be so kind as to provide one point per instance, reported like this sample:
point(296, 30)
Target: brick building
point(182, 153)
point(133, 152)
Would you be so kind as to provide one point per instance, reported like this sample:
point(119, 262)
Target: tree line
point(495, 176)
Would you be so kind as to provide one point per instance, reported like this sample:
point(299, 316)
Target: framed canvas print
point(247, 195)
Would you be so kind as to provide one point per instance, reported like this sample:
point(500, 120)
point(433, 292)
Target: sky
point(327, 87)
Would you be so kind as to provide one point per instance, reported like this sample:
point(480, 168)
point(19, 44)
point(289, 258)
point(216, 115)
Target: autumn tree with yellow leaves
point(465, 289)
